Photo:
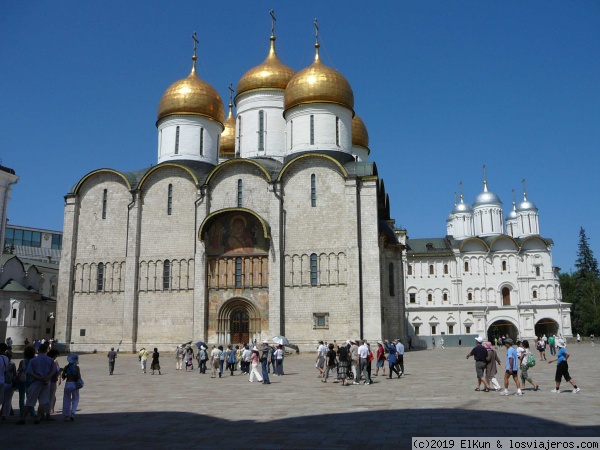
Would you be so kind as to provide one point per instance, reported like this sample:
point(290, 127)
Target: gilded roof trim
point(500, 236)
point(236, 161)
point(311, 155)
point(168, 164)
point(207, 219)
point(473, 239)
point(96, 172)
point(528, 238)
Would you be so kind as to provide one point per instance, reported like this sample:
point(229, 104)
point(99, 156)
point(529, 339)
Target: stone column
point(131, 295)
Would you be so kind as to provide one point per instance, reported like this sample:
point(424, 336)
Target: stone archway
point(238, 321)
point(546, 326)
point(502, 327)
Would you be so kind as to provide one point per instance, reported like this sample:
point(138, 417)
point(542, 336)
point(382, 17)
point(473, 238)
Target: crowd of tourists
point(518, 362)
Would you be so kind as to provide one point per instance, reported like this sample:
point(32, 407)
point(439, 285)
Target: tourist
point(264, 362)
point(479, 353)
point(41, 368)
point(279, 355)
point(112, 356)
point(202, 359)
point(512, 367)
point(433, 342)
point(342, 368)
point(355, 359)
point(246, 356)
point(24, 379)
point(254, 365)
point(592, 337)
point(363, 354)
point(320, 362)
point(399, 358)
point(491, 368)
point(392, 358)
point(71, 374)
point(179, 354)
point(230, 358)
point(562, 368)
point(552, 343)
point(9, 343)
point(155, 365)
point(55, 381)
point(442, 343)
point(331, 357)
point(524, 367)
point(143, 357)
point(9, 372)
point(541, 346)
point(215, 356)
point(578, 338)
point(238, 355)
point(188, 359)
point(221, 360)
point(271, 364)
point(380, 358)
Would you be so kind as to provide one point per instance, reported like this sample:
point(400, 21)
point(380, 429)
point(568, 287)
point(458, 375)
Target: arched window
point(170, 199)
point(312, 130)
point(313, 190)
point(470, 296)
point(201, 141)
point(445, 269)
point(177, 140)
point(239, 130)
point(337, 131)
point(291, 134)
point(505, 296)
point(537, 271)
point(466, 266)
point(239, 193)
point(429, 297)
point(504, 265)
point(104, 203)
point(445, 297)
point(430, 269)
point(410, 269)
point(261, 130)
point(238, 272)
point(166, 275)
point(534, 294)
point(314, 279)
point(391, 277)
point(100, 278)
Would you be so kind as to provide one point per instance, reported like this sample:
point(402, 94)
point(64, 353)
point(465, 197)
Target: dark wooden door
point(240, 326)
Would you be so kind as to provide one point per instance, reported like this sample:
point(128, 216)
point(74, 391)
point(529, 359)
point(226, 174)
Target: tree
point(586, 263)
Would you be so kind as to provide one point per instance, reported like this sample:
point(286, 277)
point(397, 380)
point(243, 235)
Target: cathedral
point(271, 221)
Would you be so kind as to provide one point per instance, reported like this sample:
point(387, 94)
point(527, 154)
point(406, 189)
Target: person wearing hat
point(479, 353)
point(112, 356)
point(562, 368)
point(264, 361)
point(512, 367)
point(71, 373)
point(491, 368)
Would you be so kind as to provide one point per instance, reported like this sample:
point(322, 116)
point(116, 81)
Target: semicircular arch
point(164, 166)
point(94, 173)
point(266, 229)
point(226, 164)
point(303, 156)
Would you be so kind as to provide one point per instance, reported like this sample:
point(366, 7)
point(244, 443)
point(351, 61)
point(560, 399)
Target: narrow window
point(445, 269)
point(433, 329)
point(445, 297)
point(337, 131)
point(431, 269)
point(504, 265)
point(261, 130)
point(160, 142)
point(291, 134)
point(100, 278)
point(239, 194)
point(239, 135)
point(238, 272)
point(391, 276)
point(467, 329)
point(14, 314)
point(413, 297)
point(537, 271)
point(313, 270)
point(534, 294)
point(177, 140)
point(312, 130)
point(201, 141)
point(429, 297)
point(166, 275)
point(466, 266)
point(313, 190)
point(410, 269)
point(470, 296)
point(170, 199)
point(416, 330)
point(450, 329)
point(505, 296)
point(104, 202)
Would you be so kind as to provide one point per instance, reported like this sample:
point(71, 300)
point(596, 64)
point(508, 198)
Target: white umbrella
point(281, 340)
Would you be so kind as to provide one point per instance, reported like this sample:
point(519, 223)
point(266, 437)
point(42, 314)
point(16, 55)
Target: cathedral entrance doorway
point(240, 325)
point(501, 328)
point(546, 327)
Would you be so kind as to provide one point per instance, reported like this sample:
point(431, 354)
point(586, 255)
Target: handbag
point(78, 383)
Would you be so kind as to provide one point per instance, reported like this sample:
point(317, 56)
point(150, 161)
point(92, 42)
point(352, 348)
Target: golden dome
point(270, 74)
point(228, 135)
point(191, 96)
point(360, 135)
point(318, 84)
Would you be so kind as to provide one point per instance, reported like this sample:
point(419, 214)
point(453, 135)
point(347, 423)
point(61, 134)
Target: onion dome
point(228, 134)
point(513, 213)
point(191, 96)
point(360, 135)
point(486, 197)
point(462, 207)
point(318, 84)
point(270, 74)
point(526, 205)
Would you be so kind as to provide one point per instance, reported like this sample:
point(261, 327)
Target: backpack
point(530, 360)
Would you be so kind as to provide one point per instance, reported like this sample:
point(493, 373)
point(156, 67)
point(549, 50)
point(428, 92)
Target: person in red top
point(380, 359)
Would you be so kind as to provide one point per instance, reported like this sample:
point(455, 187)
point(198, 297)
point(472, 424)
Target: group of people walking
point(36, 379)
point(518, 362)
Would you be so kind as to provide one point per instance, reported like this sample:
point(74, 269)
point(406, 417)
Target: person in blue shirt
point(392, 358)
point(562, 368)
point(512, 367)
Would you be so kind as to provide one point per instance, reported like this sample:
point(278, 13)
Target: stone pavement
point(188, 410)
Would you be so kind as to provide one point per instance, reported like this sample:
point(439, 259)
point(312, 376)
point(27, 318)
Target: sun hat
point(560, 343)
point(479, 339)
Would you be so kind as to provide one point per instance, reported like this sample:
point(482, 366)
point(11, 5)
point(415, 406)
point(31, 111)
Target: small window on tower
point(445, 269)
point(201, 141)
point(240, 193)
point(431, 269)
point(504, 266)
point(466, 266)
point(177, 140)
point(412, 297)
point(104, 203)
point(337, 131)
point(313, 190)
point(534, 294)
point(261, 130)
point(170, 199)
point(409, 269)
point(538, 271)
point(312, 130)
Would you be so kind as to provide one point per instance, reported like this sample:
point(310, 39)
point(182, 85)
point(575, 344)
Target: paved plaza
point(188, 410)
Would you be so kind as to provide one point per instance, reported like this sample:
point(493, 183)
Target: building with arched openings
point(271, 221)
point(488, 277)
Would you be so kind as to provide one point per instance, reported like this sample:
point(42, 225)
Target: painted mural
point(236, 234)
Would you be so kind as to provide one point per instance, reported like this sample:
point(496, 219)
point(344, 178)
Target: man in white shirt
point(320, 363)
point(246, 356)
point(400, 358)
point(363, 353)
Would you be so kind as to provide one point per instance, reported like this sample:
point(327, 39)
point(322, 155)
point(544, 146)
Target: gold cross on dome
point(273, 19)
point(195, 42)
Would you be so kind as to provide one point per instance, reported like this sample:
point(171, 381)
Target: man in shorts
point(479, 353)
point(41, 369)
point(512, 367)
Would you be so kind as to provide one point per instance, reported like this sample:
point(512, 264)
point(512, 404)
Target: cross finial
point(461, 191)
point(513, 196)
point(524, 189)
point(230, 94)
point(195, 42)
point(194, 57)
point(273, 19)
point(317, 30)
point(454, 198)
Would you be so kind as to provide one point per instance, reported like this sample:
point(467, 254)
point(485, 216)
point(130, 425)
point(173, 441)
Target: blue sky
point(443, 88)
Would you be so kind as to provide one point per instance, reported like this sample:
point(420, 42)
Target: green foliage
point(582, 290)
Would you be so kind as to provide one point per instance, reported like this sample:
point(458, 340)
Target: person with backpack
point(527, 361)
point(71, 374)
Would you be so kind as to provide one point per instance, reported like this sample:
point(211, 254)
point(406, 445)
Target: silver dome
point(526, 205)
point(487, 198)
point(512, 214)
point(462, 207)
